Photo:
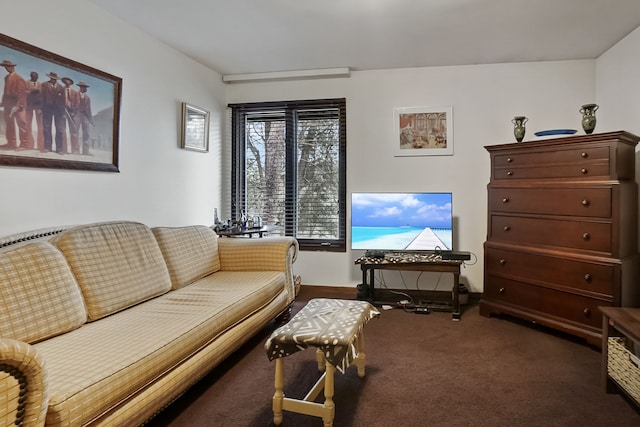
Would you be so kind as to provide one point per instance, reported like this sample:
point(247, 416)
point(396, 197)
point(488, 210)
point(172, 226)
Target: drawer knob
point(584, 155)
point(507, 228)
point(586, 236)
point(587, 312)
point(503, 261)
point(585, 202)
point(505, 200)
point(501, 291)
point(587, 277)
point(509, 160)
point(584, 171)
point(509, 173)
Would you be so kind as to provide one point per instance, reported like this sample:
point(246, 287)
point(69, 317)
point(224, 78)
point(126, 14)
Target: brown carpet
point(422, 370)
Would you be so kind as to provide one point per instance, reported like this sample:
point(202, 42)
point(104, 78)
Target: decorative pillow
point(116, 265)
point(190, 252)
point(39, 297)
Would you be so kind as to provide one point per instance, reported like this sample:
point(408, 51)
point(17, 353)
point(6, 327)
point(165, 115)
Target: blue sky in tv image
point(400, 221)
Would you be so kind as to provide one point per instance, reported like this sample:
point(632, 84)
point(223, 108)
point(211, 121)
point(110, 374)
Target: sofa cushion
point(94, 367)
point(116, 265)
point(190, 252)
point(39, 297)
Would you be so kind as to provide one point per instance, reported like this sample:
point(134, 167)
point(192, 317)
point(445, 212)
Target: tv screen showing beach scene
point(401, 221)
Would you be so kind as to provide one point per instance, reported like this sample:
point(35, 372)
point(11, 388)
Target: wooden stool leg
point(329, 407)
point(320, 359)
point(279, 394)
point(360, 357)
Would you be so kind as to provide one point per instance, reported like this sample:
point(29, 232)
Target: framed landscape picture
point(423, 131)
point(56, 112)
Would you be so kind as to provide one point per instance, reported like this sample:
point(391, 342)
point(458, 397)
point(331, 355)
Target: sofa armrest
point(23, 382)
point(266, 254)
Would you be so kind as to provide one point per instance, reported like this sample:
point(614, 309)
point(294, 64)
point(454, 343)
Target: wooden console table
point(412, 262)
point(235, 232)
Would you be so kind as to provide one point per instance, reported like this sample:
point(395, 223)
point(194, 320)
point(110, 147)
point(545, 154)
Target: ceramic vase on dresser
point(519, 128)
point(589, 120)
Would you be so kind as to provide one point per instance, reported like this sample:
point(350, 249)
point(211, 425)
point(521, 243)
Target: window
point(289, 167)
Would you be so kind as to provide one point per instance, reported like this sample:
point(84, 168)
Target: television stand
point(412, 262)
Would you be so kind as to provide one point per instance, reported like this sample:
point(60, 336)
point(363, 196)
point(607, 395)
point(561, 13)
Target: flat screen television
point(402, 221)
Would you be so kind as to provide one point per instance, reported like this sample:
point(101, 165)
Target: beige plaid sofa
point(106, 324)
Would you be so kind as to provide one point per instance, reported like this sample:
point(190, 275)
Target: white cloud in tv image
point(401, 221)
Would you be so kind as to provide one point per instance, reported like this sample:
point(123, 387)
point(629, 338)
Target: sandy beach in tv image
point(401, 221)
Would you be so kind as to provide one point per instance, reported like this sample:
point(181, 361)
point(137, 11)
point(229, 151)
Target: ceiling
point(259, 36)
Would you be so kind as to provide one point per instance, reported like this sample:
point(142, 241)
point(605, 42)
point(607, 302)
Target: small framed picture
point(195, 128)
point(423, 131)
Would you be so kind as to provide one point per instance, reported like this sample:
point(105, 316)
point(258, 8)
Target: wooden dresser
point(562, 231)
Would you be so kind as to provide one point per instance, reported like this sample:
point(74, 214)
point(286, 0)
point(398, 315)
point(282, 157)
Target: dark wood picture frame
point(70, 124)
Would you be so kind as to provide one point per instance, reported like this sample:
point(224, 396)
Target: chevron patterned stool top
point(332, 325)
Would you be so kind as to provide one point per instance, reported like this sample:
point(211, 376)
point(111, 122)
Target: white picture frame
point(195, 128)
point(423, 131)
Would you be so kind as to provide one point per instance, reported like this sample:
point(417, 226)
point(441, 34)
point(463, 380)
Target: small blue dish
point(556, 132)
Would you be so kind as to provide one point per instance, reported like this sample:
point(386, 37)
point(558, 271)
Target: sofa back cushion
point(190, 252)
point(39, 297)
point(116, 265)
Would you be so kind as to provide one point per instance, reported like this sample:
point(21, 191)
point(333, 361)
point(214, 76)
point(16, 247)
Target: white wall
point(617, 87)
point(484, 99)
point(617, 91)
point(158, 183)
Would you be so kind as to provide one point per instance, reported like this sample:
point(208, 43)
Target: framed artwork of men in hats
point(56, 112)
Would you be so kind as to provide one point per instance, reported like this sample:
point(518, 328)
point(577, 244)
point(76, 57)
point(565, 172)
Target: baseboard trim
point(341, 292)
point(346, 292)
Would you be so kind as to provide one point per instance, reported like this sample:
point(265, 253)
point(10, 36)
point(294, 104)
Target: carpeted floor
point(422, 370)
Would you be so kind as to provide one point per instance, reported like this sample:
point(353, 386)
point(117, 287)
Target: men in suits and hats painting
point(14, 99)
point(53, 113)
point(71, 101)
point(84, 116)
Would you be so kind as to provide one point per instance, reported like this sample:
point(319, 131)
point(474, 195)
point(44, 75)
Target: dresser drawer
point(555, 156)
point(587, 171)
point(574, 163)
point(582, 235)
point(587, 201)
point(597, 278)
point(572, 307)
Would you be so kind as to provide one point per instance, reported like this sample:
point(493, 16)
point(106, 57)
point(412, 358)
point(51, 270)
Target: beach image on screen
point(401, 221)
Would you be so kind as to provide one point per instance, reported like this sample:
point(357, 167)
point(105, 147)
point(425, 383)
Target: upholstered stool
point(335, 327)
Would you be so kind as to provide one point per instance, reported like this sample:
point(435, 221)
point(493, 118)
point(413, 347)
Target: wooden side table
point(620, 334)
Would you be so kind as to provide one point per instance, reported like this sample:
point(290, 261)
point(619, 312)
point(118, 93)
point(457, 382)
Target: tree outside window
point(289, 168)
